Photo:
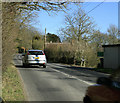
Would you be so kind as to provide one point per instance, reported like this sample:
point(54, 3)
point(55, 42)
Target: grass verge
point(12, 88)
point(104, 70)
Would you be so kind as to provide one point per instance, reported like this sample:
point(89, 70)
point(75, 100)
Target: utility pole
point(32, 42)
point(44, 39)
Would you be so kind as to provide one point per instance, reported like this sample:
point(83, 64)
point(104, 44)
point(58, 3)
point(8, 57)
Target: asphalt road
point(57, 82)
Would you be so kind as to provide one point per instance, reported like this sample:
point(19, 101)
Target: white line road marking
point(80, 73)
point(70, 76)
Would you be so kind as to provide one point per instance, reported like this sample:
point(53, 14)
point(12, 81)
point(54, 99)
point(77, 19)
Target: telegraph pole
point(44, 39)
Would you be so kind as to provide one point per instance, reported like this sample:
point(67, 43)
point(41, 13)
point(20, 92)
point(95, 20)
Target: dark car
point(107, 90)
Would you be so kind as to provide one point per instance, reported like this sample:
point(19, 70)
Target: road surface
point(57, 82)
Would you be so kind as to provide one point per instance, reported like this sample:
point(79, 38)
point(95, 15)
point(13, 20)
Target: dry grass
point(12, 89)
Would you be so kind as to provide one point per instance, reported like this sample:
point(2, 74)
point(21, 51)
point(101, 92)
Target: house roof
point(112, 45)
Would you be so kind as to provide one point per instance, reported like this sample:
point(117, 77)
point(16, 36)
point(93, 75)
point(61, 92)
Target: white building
point(112, 56)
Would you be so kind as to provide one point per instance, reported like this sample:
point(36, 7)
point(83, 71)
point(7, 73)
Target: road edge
point(22, 84)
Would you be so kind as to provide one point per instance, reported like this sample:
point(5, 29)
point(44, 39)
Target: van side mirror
point(104, 81)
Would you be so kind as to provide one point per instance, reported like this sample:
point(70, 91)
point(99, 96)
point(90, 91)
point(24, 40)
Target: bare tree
point(77, 25)
point(9, 29)
point(113, 34)
point(11, 12)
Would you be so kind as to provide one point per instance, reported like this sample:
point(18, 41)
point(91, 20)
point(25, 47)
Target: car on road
point(107, 90)
point(34, 57)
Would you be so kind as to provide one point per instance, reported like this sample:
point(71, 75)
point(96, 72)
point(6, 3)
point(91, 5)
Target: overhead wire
point(92, 9)
point(95, 7)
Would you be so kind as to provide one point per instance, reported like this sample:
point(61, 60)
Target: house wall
point(111, 57)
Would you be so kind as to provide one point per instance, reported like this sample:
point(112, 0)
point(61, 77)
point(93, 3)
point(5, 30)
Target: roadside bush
point(59, 53)
point(66, 53)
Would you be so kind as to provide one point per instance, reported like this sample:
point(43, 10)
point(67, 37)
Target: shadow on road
point(81, 73)
point(74, 67)
point(20, 66)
